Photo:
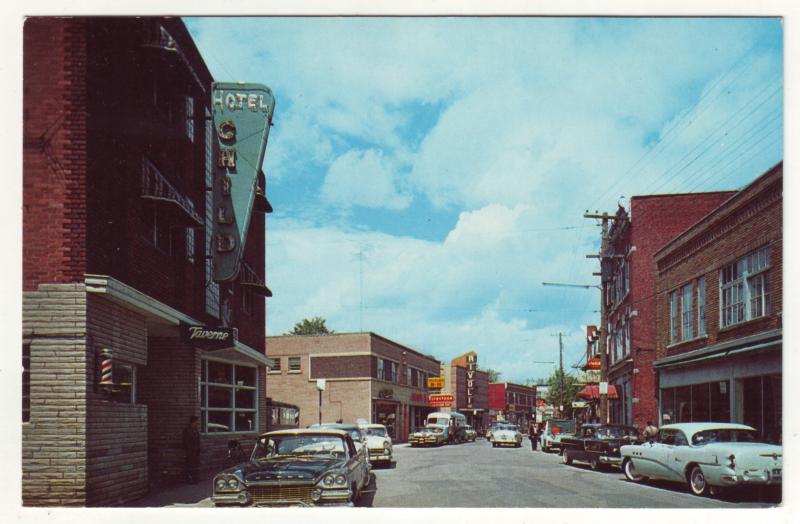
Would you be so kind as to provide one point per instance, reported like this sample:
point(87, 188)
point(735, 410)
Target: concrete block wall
point(54, 440)
point(116, 433)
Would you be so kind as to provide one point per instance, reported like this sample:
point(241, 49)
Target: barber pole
point(106, 368)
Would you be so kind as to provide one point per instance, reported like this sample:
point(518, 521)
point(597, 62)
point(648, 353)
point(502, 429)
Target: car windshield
point(297, 445)
point(440, 421)
point(562, 426)
point(376, 432)
point(615, 432)
point(723, 435)
point(507, 427)
point(426, 430)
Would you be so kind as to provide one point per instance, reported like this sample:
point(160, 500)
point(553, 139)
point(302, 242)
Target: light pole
point(320, 388)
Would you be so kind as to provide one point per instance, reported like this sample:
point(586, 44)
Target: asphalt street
point(478, 475)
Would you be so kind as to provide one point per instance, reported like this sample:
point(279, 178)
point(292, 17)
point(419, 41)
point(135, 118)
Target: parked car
point(303, 467)
point(470, 434)
point(706, 455)
point(597, 444)
point(554, 431)
point(506, 435)
point(427, 437)
point(354, 430)
point(379, 443)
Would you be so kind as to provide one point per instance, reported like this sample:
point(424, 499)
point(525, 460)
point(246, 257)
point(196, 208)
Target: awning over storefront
point(592, 392)
point(242, 354)
point(757, 342)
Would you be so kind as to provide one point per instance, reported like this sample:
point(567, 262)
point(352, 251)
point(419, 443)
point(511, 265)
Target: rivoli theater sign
point(472, 365)
point(242, 117)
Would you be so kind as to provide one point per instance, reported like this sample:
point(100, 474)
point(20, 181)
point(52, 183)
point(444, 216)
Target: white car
point(506, 435)
point(706, 455)
point(379, 443)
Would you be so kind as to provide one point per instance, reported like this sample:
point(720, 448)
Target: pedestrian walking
point(533, 434)
point(650, 432)
point(191, 446)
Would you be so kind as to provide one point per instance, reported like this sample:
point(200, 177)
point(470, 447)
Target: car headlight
point(328, 480)
point(334, 480)
point(227, 483)
point(220, 484)
point(386, 445)
point(233, 483)
point(340, 480)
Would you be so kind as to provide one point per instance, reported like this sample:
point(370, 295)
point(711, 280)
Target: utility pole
point(560, 371)
point(605, 276)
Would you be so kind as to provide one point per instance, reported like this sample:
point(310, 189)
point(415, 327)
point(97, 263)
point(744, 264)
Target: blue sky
point(428, 174)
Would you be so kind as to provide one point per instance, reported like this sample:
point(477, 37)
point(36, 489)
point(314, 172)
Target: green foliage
point(494, 375)
point(565, 396)
point(314, 326)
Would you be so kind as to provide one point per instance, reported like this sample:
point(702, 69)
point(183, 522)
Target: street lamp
point(320, 388)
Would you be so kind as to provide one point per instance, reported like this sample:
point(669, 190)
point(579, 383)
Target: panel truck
point(451, 424)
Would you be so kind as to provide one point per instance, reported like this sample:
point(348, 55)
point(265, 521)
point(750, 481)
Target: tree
point(494, 376)
point(315, 326)
point(558, 394)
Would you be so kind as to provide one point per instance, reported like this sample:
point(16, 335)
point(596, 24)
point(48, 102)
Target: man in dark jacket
point(533, 434)
point(191, 445)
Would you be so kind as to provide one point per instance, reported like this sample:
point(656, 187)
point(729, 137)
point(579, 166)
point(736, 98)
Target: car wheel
point(565, 458)
point(697, 482)
point(594, 463)
point(494, 444)
point(630, 471)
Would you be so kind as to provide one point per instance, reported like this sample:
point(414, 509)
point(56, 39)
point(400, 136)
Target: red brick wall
point(54, 151)
point(654, 221)
point(752, 219)
point(340, 367)
point(497, 396)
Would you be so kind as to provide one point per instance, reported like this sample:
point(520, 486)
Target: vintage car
point(427, 437)
point(597, 444)
point(554, 431)
point(354, 430)
point(379, 443)
point(506, 435)
point(470, 434)
point(706, 455)
point(302, 467)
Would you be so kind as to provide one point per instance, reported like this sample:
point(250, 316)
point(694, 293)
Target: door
point(654, 458)
point(678, 457)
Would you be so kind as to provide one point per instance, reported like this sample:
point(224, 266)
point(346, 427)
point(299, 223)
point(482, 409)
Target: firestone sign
point(242, 117)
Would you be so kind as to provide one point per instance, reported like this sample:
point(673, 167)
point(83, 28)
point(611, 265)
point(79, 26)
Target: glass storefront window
point(773, 408)
point(228, 396)
point(719, 402)
point(683, 404)
point(700, 403)
point(667, 406)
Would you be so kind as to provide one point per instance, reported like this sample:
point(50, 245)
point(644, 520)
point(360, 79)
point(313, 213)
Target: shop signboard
point(440, 401)
point(435, 382)
point(208, 337)
point(472, 366)
point(593, 363)
point(242, 115)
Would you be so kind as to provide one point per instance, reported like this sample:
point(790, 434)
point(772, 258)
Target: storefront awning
point(156, 187)
point(592, 392)
point(242, 354)
point(757, 342)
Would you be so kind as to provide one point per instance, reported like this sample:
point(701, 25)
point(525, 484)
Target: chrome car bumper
point(380, 456)
point(766, 477)
point(613, 461)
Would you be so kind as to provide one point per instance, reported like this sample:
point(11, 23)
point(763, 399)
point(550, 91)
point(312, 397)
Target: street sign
point(440, 401)
point(435, 382)
point(242, 116)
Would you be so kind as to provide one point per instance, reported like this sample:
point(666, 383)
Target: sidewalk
point(177, 495)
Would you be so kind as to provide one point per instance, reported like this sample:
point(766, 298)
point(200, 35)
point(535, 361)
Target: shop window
point(719, 402)
point(743, 288)
point(683, 404)
point(700, 402)
point(26, 382)
point(228, 397)
point(124, 380)
point(687, 316)
point(667, 406)
point(294, 364)
point(380, 369)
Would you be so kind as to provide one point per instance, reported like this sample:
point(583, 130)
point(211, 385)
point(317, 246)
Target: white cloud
point(363, 178)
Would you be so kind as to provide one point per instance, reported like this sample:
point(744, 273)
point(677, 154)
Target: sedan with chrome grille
point(300, 467)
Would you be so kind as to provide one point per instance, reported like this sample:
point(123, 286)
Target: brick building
point(469, 387)
point(630, 295)
point(112, 268)
point(719, 313)
point(366, 377)
point(514, 403)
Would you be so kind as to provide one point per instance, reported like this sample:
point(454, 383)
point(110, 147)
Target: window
point(743, 288)
point(190, 118)
point(701, 306)
point(190, 245)
point(294, 364)
point(673, 317)
point(212, 288)
point(409, 375)
point(124, 380)
point(415, 377)
point(26, 382)
point(247, 300)
point(277, 367)
point(687, 316)
point(228, 397)
point(628, 334)
point(380, 369)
